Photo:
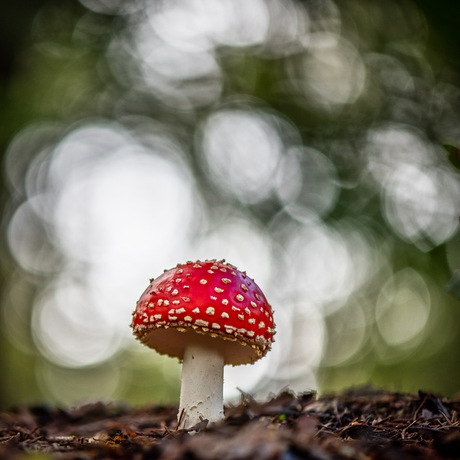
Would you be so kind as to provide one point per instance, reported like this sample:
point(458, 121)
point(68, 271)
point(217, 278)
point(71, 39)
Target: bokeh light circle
point(242, 150)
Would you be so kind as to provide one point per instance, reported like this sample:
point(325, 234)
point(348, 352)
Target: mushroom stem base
point(201, 396)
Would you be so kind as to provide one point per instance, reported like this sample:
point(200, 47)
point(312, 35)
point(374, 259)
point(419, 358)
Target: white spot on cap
point(168, 288)
point(160, 302)
point(179, 311)
point(253, 304)
point(213, 298)
point(248, 312)
point(210, 271)
point(203, 281)
point(257, 296)
point(166, 303)
point(180, 271)
point(176, 302)
point(241, 317)
point(244, 287)
point(210, 311)
point(252, 321)
point(185, 299)
point(239, 298)
point(172, 318)
point(186, 287)
point(196, 310)
point(261, 325)
point(156, 317)
point(150, 305)
point(215, 326)
point(188, 318)
point(250, 333)
point(218, 290)
point(226, 281)
point(225, 315)
point(175, 292)
point(235, 308)
point(178, 280)
point(197, 266)
point(223, 270)
point(224, 302)
point(200, 322)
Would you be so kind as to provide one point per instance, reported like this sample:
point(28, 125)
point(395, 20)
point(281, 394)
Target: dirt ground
point(357, 424)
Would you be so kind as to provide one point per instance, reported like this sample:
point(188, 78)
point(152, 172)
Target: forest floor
point(357, 424)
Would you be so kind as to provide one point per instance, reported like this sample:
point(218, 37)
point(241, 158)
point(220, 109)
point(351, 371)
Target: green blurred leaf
point(453, 154)
point(453, 286)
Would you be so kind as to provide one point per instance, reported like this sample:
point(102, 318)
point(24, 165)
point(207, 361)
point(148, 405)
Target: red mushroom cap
point(212, 298)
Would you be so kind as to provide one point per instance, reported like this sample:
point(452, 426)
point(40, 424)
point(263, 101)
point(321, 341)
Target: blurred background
point(311, 143)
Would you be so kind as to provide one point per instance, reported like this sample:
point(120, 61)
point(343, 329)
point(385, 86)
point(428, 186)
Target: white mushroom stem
point(201, 394)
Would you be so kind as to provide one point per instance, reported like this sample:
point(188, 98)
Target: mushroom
point(207, 314)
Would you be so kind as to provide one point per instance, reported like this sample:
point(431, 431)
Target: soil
point(357, 424)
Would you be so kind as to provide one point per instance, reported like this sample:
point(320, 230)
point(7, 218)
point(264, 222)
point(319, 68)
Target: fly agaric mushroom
point(207, 314)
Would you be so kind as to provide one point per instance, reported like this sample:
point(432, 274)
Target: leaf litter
point(362, 423)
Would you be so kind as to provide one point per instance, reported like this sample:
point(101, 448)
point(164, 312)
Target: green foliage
point(453, 286)
point(453, 154)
